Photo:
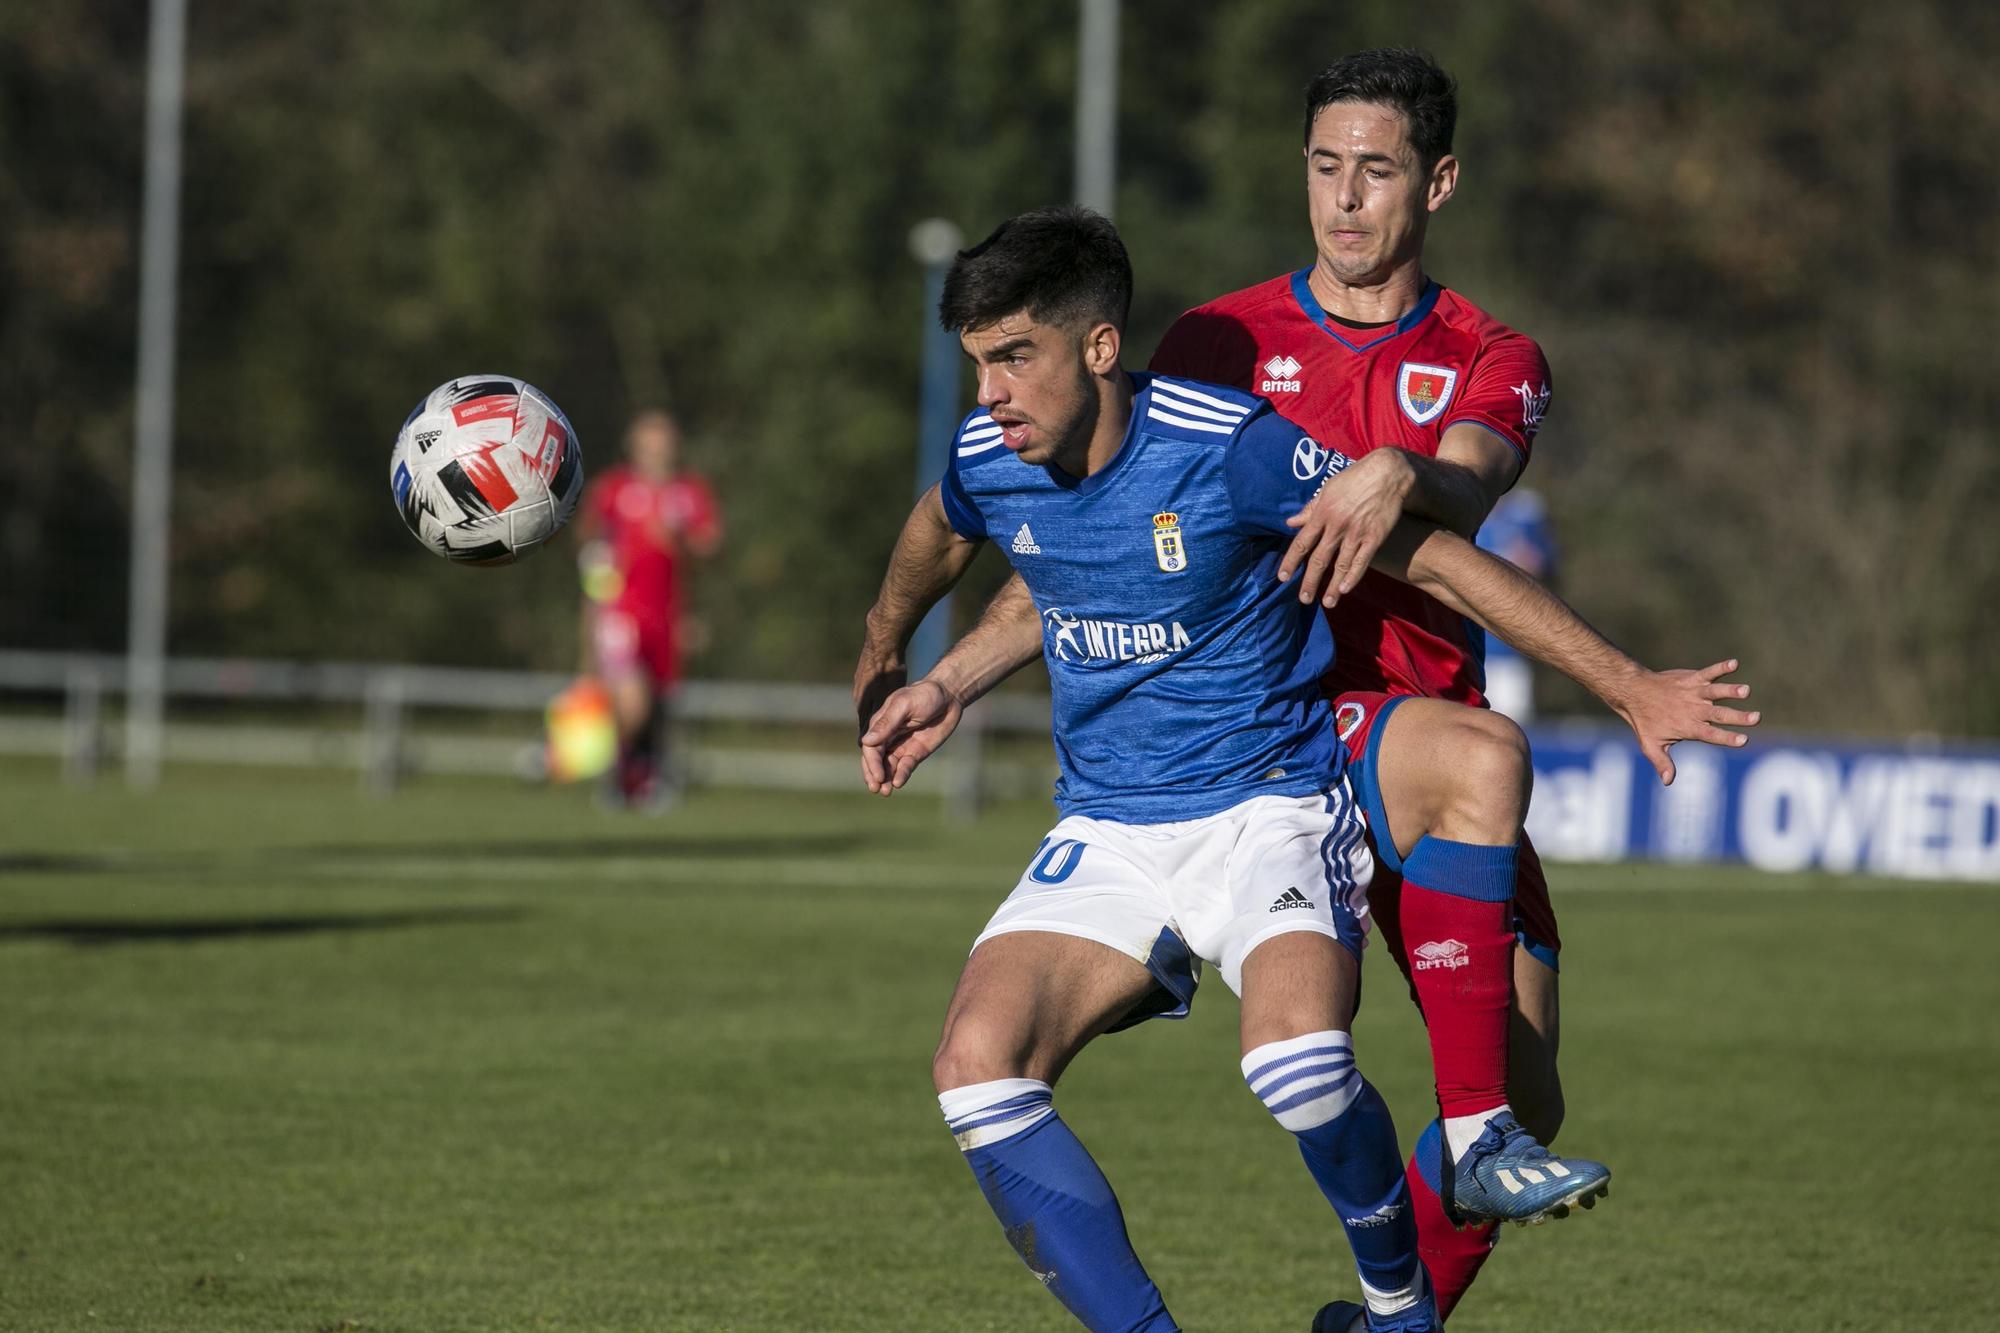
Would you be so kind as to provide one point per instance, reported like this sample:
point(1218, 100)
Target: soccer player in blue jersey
point(1205, 811)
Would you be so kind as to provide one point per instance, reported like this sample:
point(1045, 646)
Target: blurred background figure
point(1517, 530)
point(641, 522)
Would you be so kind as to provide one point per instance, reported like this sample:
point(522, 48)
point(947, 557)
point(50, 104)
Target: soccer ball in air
point(486, 469)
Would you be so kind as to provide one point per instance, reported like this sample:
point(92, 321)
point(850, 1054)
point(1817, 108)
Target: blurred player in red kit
point(641, 522)
point(1438, 403)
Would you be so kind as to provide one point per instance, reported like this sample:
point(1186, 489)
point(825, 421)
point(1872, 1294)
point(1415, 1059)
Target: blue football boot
point(1505, 1176)
point(1340, 1317)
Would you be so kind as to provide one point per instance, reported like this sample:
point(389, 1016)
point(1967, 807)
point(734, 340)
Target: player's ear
point(1443, 182)
point(1100, 348)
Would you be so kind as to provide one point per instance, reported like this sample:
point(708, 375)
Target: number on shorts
point(1056, 861)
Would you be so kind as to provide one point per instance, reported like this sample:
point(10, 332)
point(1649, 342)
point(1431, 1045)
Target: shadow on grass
point(582, 850)
point(89, 932)
point(64, 863)
point(774, 843)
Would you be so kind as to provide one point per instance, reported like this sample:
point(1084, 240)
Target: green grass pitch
point(280, 1057)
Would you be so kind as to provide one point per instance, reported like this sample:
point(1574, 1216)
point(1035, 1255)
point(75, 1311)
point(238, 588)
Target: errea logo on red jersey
point(1284, 376)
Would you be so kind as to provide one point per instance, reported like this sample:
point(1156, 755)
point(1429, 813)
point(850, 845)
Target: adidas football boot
point(1505, 1176)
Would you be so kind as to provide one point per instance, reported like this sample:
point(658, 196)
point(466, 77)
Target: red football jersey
point(1357, 389)
point(649, 524)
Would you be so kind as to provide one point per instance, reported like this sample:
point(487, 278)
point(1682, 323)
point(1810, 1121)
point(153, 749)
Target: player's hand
point(1346, 524)
point(1665, 707)
point(911, 724)
point(879, 674)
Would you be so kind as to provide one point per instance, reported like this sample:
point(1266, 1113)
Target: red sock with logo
point(1458, 930)
point(1452, 1257)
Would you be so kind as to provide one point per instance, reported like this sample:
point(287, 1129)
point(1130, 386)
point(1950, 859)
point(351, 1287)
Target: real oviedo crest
point(1423, 391)
point(1167, 545)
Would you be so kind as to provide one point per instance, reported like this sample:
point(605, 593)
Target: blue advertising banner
point(1776, 804)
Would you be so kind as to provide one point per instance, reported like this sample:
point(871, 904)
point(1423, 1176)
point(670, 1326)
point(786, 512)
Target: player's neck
point(1114, 414)
point(1098, 438)
point(1372, 302)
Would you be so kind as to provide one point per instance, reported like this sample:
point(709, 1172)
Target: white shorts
point(1172, 895)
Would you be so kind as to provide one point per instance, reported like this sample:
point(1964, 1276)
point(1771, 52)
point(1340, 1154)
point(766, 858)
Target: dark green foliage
point(1757, 244)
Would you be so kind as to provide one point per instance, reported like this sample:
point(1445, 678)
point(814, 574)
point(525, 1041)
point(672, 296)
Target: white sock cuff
point(1304, 1081)
point(1394, 1302)
point(983, 1113)
point(1462, 1131)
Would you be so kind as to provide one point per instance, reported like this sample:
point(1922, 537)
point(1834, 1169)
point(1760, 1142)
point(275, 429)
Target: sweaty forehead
point(1360, 127)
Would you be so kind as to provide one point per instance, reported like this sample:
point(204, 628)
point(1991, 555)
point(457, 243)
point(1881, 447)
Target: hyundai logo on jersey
point(1308, 457)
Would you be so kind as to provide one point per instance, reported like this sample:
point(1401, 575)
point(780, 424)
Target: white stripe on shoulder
point(1193, 410)
point(976, 431)
point(1177, 387)
point(1155, 412)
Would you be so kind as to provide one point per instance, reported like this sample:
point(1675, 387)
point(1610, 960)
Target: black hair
point(1063, 266)
point(1407, 80)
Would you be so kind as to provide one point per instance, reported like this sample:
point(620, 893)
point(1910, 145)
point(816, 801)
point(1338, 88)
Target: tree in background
point(1758, 248)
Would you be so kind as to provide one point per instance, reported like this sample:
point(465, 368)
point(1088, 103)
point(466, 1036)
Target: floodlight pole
point(153, 431)
point(935, 242)
point(1097, 105)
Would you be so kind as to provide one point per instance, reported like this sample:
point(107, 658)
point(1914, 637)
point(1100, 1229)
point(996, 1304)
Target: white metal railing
point(385, 748)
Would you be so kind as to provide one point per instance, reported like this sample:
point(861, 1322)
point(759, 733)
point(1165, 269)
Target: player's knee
point(1491, 777)
point(973, 1052)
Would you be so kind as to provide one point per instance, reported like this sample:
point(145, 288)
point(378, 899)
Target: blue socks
point(1054, 1203)
point(1061, 1217)
point(1310, 1084)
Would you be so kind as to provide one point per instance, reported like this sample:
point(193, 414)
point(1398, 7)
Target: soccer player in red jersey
point(1363, 350)
point(1438, 403)
point(641, 521)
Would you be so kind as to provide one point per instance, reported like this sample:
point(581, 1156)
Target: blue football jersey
point(1185, 676)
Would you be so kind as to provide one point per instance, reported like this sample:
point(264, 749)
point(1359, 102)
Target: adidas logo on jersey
point(1024, 542)
point(1289, 899)
point(1284, 376)
point(1447, 954)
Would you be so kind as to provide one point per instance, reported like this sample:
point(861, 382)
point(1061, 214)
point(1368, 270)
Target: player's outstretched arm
point(930, 557)
point(913, 722)
point(1338, 532)
point(1661, 707)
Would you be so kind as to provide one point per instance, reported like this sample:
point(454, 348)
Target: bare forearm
point(1448, 494)
point(929, 558)
point(1007, 638)
point(1510, 604)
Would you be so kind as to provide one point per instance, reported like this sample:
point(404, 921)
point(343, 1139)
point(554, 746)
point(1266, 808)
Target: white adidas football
point(486, 469)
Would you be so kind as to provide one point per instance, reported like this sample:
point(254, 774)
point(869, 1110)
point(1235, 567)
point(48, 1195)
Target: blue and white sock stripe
point(1178, 405)
point(978, 435)
point(983, 1113)
point(1304, 1081)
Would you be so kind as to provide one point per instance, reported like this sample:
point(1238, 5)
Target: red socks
point(1458, 931)
point(1451, 1257)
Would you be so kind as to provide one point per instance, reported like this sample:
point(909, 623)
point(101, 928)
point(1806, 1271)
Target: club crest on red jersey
point(1347, 718)
point(1423, 391)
